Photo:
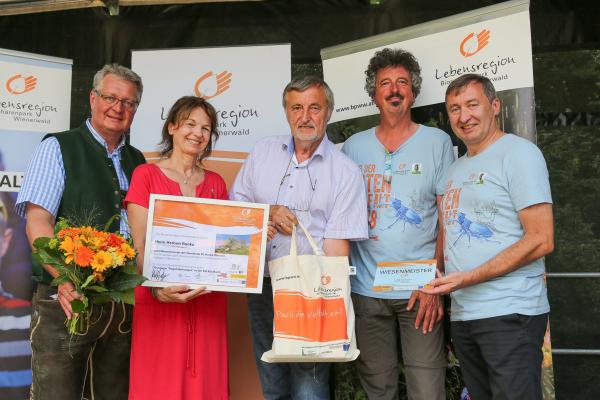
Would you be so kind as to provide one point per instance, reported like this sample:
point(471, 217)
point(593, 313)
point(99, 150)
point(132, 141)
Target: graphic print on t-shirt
point(398, 212)
point(463, 225)
point(404, 214)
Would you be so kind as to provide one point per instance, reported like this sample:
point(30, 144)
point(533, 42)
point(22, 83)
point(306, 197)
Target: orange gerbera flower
point(102, 261)
point(114, 240)
point(83, 256)
point(69, 232)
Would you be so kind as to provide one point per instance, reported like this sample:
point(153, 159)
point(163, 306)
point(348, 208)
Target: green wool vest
point(92, 192)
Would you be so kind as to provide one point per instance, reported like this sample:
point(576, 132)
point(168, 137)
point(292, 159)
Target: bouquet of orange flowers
point(101, 266)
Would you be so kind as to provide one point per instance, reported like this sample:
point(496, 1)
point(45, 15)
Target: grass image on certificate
point(233, 244)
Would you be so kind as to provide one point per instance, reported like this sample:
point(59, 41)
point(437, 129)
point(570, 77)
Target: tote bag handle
point(294, 248)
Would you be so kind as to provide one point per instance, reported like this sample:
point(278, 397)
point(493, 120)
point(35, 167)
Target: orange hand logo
point(466, 46)
point(223, 81)
point(19, 84)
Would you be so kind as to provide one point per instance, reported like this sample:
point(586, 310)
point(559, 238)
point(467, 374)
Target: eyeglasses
point(300, 206)
point(112, 101)
point(387, 172)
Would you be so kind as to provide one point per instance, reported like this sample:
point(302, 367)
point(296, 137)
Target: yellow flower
point(101, 261)
point(127, 251)
point(67, 247)
point(53, 243)
point(118, 259)
point(87, 230)
point(97, 242)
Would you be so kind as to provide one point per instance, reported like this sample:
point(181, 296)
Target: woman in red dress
point(179, 336)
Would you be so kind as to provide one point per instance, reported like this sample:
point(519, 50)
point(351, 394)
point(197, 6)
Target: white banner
point(243, 83)
point(35, 99)
point(499, 48)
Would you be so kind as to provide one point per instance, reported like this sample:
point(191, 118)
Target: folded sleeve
point(44, 181)
point(243, 187)
point(348, 219)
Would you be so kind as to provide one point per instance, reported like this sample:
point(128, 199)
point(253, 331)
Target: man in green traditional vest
point(82, 173)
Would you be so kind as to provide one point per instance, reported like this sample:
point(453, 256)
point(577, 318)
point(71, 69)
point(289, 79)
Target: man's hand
point(446, 284)
point(430, 311)
point(271, 231)
point(283, 219)
point(66, 294)
point(177, 294)
point(537, 241)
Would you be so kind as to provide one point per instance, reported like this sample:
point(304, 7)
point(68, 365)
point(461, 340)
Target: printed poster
point(243, 83)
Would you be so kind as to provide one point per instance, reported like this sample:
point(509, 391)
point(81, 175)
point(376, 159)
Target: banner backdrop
point(494, 41)
point(35, 98)
point(497, 45)
point(243, 83)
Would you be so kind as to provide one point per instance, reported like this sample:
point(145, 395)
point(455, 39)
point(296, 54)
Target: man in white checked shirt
point(304, 177)
point(82, 172)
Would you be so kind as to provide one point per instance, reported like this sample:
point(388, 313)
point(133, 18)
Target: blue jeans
point(297, 381)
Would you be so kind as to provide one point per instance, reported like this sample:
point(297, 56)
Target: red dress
point(178, 351)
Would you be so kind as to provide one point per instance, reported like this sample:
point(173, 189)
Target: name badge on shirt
point(403, 275)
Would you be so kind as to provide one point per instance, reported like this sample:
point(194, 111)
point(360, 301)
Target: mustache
point(305, 126)
point(395, 94)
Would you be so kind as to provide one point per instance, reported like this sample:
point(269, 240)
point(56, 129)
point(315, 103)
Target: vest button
point(116, 206)
point(116, 192)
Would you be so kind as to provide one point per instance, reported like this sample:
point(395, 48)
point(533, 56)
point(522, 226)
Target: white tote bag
point(313, 313)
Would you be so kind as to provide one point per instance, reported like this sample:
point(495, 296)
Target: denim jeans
point(297, 381)
point(94, 365)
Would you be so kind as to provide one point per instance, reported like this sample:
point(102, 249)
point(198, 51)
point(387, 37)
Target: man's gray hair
point(120, 72)
point(465, 80)
point(306, 82)
point(387, 58)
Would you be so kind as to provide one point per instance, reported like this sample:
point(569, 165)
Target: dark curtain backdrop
point(91, 37)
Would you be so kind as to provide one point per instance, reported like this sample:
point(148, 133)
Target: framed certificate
point(218, 244)
point(403, 275)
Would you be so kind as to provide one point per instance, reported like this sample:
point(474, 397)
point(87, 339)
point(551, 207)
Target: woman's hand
point(177, 294)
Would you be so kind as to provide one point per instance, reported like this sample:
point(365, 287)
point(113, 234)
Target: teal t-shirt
point(483, 197)
point(403, 218)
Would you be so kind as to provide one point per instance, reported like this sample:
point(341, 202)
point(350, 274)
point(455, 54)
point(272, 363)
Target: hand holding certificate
point(216, 244)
